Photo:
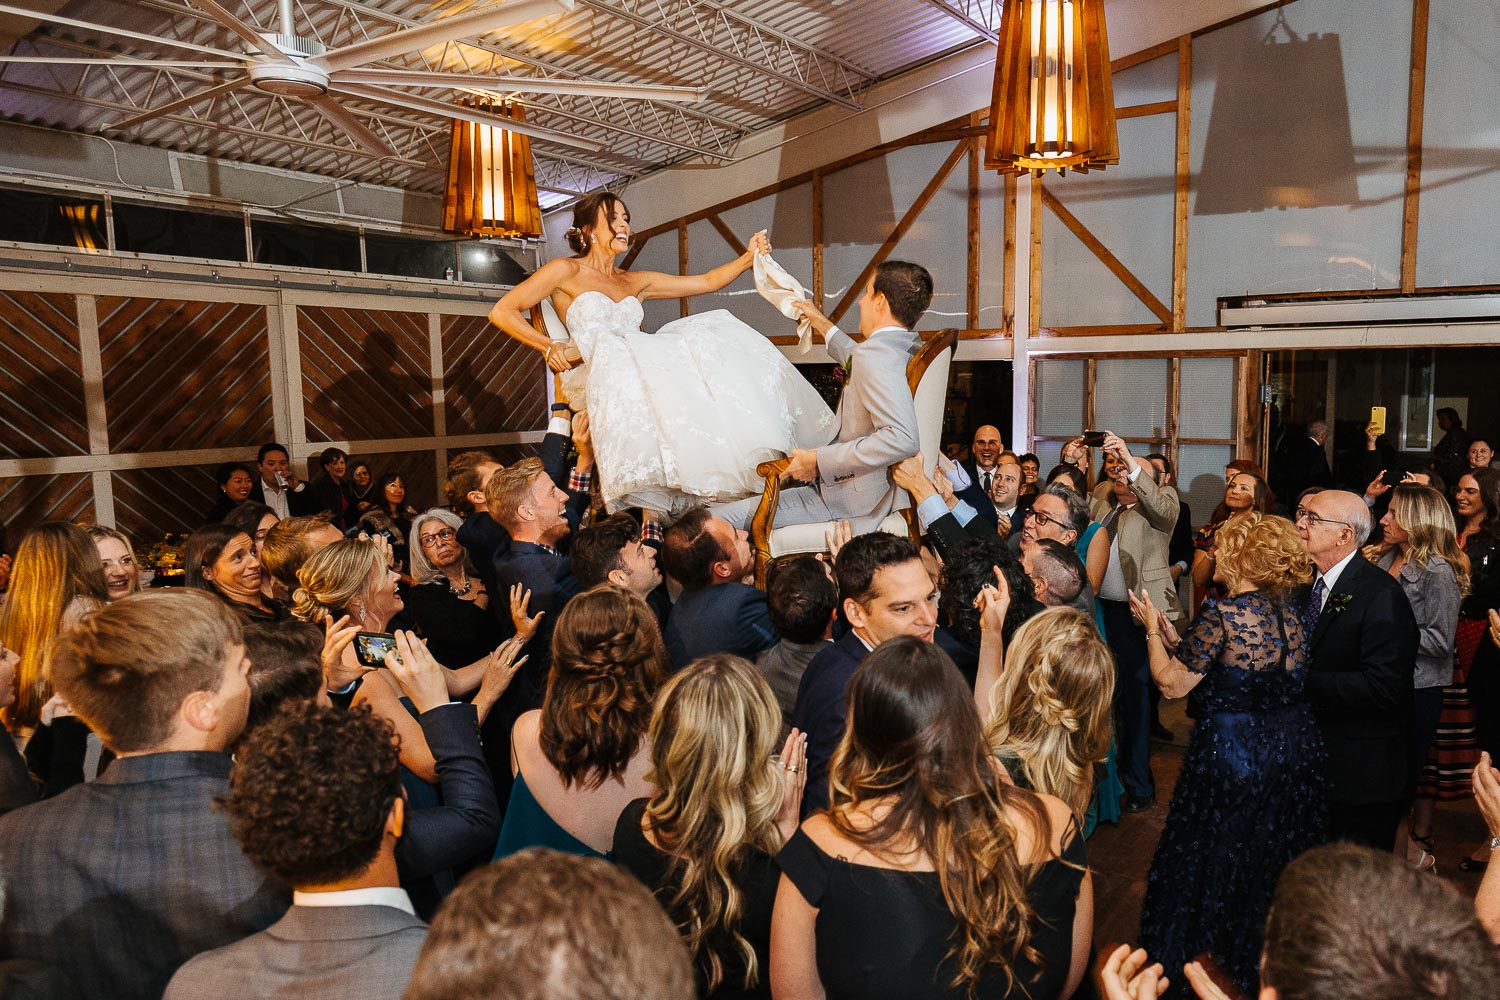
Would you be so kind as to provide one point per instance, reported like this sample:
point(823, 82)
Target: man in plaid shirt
point(117, 882)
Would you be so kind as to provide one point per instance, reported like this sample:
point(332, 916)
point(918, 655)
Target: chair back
point(927, 376)
point(551, 324)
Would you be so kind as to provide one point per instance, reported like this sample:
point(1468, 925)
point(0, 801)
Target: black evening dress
point(1251, 795)
point(884, 934)
point(458, 632)
point(757, 880)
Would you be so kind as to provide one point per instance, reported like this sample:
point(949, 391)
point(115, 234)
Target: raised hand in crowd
point(836, 536)
point(794, 773)
point(520, 604)
point(420, 676)
point(1116, 446)
point(583, 440)
point(910, 474)
point(1377, 487)
point(502, 669)
point(57, 706)
point(993, 602)
point(1075, 453)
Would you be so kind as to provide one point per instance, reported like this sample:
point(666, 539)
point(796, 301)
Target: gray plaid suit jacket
point(120, 881)
point(312, 953)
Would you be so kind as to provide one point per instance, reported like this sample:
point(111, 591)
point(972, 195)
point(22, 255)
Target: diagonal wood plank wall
point(119, 396)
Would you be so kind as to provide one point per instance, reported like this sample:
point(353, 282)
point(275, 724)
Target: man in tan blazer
point(1139, 516)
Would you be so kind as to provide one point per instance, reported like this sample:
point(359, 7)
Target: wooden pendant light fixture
point(491, 187)
point(1053, 106)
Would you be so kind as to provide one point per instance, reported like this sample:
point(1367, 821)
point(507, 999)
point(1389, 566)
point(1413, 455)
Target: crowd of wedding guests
point(515, 746)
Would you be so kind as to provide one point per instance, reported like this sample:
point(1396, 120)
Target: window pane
point(1059, 397)
point(1200, 477)
point(1206, 398)
point(178, 232)
point(408, 258)
point(304, 246)
point(1130, 396)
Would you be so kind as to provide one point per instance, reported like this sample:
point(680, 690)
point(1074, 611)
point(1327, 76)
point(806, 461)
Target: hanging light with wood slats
point(1053, 106)
point(491, 180)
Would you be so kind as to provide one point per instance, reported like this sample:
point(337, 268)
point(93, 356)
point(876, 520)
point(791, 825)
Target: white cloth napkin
point(780, 289)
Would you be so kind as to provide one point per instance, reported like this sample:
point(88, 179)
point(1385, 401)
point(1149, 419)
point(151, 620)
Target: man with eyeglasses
point(1361, 667)
point(1139, 516)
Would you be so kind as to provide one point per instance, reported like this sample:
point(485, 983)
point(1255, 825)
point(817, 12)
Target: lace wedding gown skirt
point(682, 417)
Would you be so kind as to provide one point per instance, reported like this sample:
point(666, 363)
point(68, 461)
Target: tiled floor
point(1120, 855)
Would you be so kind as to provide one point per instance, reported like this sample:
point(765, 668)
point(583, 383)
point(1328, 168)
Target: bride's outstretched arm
point(509, 314)
point(656, 285)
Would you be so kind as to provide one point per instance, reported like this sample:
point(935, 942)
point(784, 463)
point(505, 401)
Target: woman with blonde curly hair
point(1251, 795)
point(929, 876)
point(1048, 713)
point(706, 841)
point(583, 756)
point(1419, 547)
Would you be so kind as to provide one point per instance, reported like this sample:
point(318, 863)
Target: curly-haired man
point(316, 801)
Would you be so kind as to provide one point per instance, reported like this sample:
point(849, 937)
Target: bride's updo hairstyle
point(586, 219)
point(607, 662)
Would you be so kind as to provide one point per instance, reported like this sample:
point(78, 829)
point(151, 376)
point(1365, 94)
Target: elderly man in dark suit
point(331, 833)
point(119, 881)
point(718, 612)
point(1138, 516)
point(885, 592)
point(1360, 672)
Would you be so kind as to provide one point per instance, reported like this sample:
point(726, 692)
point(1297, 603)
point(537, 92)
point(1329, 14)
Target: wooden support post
point(1034, 292)
point(1184, 177)
point(976, 157)
point(1414, 108)
point(1008, 261)
point(727, 233)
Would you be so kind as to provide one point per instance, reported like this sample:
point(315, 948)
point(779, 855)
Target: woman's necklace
point(610, 272)
point(464, 590)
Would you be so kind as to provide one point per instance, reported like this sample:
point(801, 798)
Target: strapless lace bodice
point(684, 415)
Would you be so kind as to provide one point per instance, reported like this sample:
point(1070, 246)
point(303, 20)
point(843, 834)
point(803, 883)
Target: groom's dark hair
point(688, 551)
point(907, 288)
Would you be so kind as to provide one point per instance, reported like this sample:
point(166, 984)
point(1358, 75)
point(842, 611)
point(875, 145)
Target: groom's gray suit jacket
point(877, 429)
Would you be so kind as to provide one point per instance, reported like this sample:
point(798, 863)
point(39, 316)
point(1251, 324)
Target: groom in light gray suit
point(877, 420)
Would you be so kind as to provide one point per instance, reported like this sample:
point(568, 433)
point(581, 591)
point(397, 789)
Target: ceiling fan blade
point(438, 108)
point(246, 31)
point(172, 43)
point(395, 43)
point(122, 61)
point(180, 103)
point(345, 119)
point(522, 84)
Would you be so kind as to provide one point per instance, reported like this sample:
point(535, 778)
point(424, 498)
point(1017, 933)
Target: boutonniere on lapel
point(1336, 604)
point(842, 373)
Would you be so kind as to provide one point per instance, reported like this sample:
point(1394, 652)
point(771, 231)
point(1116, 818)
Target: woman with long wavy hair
point(583, 756)
point(705, 842)
point(56, 579)
point(1419, 547)
point(929, 875)
point(1048, 710)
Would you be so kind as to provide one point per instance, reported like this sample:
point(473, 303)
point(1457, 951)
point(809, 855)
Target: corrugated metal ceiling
point(761, 60)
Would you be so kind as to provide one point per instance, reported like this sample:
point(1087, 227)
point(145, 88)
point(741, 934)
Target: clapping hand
point(420, 676)
point(794, 770)
point(1495, 626)
point(1126, 976)
point(1143, 610)
point(520, 605)
point(1203, 984)
point(1487, 792)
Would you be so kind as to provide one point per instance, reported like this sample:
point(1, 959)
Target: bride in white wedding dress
point(680, 417)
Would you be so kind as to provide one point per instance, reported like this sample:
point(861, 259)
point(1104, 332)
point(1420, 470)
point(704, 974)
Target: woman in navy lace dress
point(1251, 796)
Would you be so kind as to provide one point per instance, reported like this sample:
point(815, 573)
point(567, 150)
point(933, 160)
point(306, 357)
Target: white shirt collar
point(883, 329)
point(380, 895)
point(1334, 572)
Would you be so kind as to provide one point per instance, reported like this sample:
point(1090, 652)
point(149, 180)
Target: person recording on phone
point(277, 485)
point(1138, 516)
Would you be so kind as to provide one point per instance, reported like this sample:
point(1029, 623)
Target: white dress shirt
point(1332, 577)
point(379, 895)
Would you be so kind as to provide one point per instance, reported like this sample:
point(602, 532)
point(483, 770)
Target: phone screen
point(371, 648)
point(1093, 439)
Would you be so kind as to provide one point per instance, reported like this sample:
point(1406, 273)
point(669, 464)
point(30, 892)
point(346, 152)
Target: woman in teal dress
point(582, 757)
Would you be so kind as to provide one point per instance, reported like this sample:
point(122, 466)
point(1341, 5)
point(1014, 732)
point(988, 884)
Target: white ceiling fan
point(302, 69)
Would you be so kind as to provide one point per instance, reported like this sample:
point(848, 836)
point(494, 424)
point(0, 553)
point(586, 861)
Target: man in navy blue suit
point(718, 612)
point(885, 592)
